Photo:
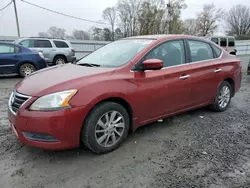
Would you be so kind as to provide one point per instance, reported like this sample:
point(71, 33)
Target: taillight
point(41, 55)
point(73, 50)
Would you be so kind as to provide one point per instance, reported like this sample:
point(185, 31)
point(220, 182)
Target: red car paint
point(151, 95)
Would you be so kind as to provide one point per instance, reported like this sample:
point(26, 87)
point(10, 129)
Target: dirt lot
point(197, 149)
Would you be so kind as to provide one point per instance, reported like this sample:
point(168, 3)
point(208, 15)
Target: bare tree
point(128, 15)
point(43, 34)
point(191, 27)
point(238, 20)
point(57, 32)
point(207, 19)
point(80, 35)
point(149, 18)
point(109, 14)
point(172, 23)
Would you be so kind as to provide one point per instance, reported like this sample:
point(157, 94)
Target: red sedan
point(120, 87)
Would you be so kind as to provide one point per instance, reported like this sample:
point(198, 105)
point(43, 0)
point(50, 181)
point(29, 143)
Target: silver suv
point(55, 51)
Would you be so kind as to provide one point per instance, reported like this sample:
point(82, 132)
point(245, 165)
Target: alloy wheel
point(224, 96)
point(109, 128)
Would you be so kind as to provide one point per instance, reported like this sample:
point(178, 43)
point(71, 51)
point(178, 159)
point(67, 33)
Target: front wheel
point(105, 128)
point(223, 97)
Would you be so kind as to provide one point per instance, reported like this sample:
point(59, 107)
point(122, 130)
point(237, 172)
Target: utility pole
point(169, 7)
point(17, 22)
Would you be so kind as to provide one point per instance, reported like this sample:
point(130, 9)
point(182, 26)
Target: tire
point(90, 137)
point(26, 69)
point(59, 60)
point(218, 106)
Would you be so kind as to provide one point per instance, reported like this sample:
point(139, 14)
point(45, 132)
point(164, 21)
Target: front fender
point(92, 94)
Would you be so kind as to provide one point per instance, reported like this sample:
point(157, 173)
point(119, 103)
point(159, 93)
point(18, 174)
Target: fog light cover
point(41, 137)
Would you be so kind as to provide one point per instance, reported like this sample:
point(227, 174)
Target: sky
point(33, 20)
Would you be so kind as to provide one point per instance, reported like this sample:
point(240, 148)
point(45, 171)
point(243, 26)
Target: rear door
point(206, 71)
point(9, 56)
point(45, 47)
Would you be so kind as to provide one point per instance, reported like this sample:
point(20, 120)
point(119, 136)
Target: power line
point(6, 5)
point(1, 17)
point(67, 15)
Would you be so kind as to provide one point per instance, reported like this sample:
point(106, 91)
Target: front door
point(9, 57)
point(168, 90)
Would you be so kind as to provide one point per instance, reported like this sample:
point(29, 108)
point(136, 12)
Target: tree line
point(144, 17)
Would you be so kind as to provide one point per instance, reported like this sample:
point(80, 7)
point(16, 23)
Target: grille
point(16, 101)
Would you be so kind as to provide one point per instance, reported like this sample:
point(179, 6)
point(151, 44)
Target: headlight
point(54, 101)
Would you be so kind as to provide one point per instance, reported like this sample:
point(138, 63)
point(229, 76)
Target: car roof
point(165, 36)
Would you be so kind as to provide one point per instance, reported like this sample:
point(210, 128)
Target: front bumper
point(63, 126)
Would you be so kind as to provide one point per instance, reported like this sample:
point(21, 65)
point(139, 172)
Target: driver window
point(171, 53)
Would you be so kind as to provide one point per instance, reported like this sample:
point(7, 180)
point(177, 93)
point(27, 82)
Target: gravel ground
point(197, 149)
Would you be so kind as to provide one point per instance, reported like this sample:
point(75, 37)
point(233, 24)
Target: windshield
point(116, 53)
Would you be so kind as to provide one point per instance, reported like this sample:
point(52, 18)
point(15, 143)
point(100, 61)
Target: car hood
point(58, 78)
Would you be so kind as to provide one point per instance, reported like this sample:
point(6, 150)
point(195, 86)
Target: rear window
point(61, 44)
point(223, 42)
point(42, 44)
point(231, 42)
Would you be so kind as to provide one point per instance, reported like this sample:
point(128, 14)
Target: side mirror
point(152, 64)
point(233, 52)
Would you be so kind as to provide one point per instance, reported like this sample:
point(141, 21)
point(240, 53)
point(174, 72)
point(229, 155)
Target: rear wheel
point(26, 69)
point(223, 97)
point(59, 60)
point(105, 128)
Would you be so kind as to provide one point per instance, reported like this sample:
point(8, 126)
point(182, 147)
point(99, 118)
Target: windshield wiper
point(89, 64)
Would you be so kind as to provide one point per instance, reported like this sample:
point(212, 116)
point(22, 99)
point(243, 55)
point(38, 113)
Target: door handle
point(218, 70)
point(184, 77)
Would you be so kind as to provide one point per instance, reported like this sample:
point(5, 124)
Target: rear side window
point(200, 51)
point(217, 51)
point(42, 44)
point(223, 42)
point(27, 43)
point(231, 42)
point(60, 44)
point(215, 40)
point(6, 49)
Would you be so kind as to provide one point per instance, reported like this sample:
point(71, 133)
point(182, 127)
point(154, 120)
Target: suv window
point(200, 51)
point(42, 44)
point(27, 43)
point(60, 44)
point(171, 53)
point(231, 42)
point(215, 40)
point(223, 42)
point(6, 49)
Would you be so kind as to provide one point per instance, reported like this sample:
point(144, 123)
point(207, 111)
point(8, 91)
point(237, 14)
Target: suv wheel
point(105, 128)
point(223, 97)
point(60, 60)
point(26, 69)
